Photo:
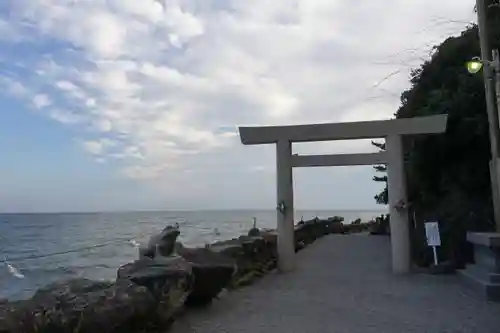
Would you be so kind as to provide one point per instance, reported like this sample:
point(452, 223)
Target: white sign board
point(432, 234)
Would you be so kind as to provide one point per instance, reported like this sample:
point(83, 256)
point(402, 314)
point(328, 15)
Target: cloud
point(14, 88)
point(168, 81)
point(41, 101)
point(98, 147)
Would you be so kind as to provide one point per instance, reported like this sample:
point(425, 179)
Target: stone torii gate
point(392, 130)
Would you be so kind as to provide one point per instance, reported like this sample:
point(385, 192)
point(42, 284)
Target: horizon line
point(192, 210)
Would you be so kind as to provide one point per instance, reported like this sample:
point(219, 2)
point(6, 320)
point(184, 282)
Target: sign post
point(433, 237)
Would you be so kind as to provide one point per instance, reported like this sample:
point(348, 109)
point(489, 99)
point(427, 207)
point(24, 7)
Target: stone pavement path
point(343, 284)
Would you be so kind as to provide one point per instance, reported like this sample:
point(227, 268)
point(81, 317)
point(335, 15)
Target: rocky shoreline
point(149, 293)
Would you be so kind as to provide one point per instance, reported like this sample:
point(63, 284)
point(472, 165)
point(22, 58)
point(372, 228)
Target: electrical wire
point(132, 241)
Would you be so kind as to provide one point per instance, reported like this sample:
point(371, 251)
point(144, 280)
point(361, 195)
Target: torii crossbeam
point(391, 130)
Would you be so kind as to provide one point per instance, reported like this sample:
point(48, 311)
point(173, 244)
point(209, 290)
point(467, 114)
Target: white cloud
point(41, 101)
point(98, 147)
point(65, 85)
point(65, 117)
point(167, 78)
point(14, 88)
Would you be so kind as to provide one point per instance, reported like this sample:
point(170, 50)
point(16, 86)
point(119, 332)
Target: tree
point(382, 198)
point(448, 175)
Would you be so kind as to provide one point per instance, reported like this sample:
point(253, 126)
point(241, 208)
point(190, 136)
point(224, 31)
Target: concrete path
point(343, 284)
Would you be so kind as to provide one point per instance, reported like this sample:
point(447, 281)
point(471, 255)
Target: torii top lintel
point(343, 131)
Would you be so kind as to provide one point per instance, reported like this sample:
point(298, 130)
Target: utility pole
point(493, 118)
point(496, 69)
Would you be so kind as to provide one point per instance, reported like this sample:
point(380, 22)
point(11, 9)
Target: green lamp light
point(474, 65)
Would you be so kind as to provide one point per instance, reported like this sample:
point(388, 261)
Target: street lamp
point(476, 64)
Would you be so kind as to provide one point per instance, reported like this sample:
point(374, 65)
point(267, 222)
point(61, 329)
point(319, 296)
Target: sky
point(135, 105)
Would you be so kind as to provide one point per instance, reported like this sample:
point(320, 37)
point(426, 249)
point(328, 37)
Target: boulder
point(80, 306)
point(299, 246)
point(254, 256)
point(259, 249)
point(306, 232)
point(231, 248)
point(336, 227)
point(324, 227)
point(212, 273)
point(67, 288)
point(169, 280)
point(270, 237)
point(242, 250)
point(380, 226)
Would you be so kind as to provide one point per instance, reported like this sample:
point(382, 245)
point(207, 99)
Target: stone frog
point(162, 244)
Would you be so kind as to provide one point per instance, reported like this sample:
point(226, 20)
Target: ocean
point(38, 249)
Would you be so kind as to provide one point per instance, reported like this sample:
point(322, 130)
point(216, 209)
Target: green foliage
point(381, 198)
point(448, 175)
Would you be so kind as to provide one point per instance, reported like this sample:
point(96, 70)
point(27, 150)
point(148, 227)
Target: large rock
point(381, 226)
point(212, 273)
point(80, 306)
point(270, 237)
point(68, 288)
point(335, 225)
point(254, 256)
point(230, 248)
point(307, 232)
point(169, 280)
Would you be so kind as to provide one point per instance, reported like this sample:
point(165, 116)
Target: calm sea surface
point(24, 236)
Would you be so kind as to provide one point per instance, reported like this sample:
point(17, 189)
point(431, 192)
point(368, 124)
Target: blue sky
point(124, 105)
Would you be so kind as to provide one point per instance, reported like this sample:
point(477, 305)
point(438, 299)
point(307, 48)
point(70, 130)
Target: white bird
point(14, 271)
point(135, 243)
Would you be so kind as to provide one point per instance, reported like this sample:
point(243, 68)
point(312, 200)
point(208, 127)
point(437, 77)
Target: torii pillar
point(392, 130)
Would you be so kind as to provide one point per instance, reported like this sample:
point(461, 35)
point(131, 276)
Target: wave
point(59, 271)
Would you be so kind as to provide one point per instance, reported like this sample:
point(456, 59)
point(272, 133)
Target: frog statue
point(162, 244)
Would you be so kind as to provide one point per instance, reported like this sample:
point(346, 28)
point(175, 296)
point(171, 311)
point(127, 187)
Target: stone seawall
point(149, 293)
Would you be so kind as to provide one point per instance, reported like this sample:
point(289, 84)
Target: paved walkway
point(343, 284)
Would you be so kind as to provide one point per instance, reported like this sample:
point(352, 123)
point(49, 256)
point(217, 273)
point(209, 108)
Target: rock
point(212, 273)
point(169, 280)
point(80, 307)
point(377, 229)
point(353, 228)
point(65, 289)
point(162, 244)
point(299, 246)
point(336, 219)
point(380, 226)
point(231, 248)
point(336, 227)
point(250, 253)
point(307, 232)
point(270, 237)
point(252, 245)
